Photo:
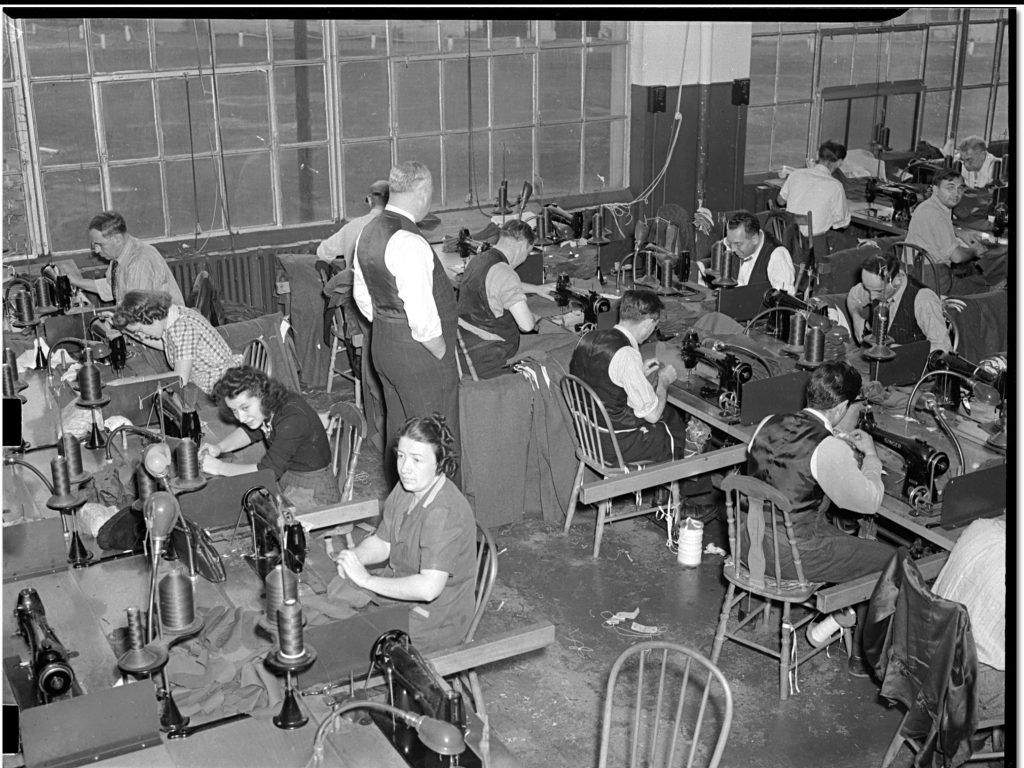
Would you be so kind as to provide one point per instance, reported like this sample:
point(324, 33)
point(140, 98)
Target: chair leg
point(330, 367)
point(723, 623)
point(784, 651)
point(603, 510)
point(894, 745)
point(574, 497)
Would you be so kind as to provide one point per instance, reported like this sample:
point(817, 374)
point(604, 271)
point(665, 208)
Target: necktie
point(113, 281)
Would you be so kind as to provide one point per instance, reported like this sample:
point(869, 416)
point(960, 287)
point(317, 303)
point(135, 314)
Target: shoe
point(857, 668)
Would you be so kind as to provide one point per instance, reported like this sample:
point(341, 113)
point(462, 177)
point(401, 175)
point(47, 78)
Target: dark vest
point(387, 304)
point(474, 307)
point(590, 361)
point(781, 456)
point(903, 325)
point(760, 272)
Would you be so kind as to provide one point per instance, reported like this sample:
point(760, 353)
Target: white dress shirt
point(815, 190)
point(781, 273)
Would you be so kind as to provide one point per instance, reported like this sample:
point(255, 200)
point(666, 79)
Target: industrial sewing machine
point(47, 671)
point(923, 464)
point(991, 372)
point(595, 307)
point(276, 534)
point(731, 372)
point(904, 198)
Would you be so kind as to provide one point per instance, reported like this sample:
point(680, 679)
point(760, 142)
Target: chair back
point(668, 706)
point(204, 299)
point(589, 422)
point(257, 354)
point(347, 427)
point(486, 575)
point(919, 264)
point(757, 514)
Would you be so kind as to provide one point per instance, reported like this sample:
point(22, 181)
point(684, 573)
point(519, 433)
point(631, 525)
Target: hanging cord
point(192, 157)
point(471, 192)
point(220, 136)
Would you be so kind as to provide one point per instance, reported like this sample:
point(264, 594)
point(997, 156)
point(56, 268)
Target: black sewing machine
point(275, 532)
point(732, 372)
point(924, 465)
point(414, 686)
point(991, 372)
point(49, 671)
point(593, 304)
point(904, 197)
point(467, 246)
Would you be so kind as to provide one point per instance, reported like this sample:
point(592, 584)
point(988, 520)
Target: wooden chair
point(486, 575)
point(339, 343)
point(347, 428)
point(755, 512)
point(590, 422)
point(257, 354)
point(784, 227)
point(919, 264)
point(673, 704)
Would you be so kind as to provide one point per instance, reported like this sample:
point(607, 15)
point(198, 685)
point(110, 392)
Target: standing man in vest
point(915, 311)
point(762, 258)
point(401, 287)
point(492, 301)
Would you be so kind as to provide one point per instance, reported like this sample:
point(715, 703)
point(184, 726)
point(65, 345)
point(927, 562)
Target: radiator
point(247, 278)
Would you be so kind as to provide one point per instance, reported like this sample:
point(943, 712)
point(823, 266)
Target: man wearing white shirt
point(762, 258)
point(816, 191)
point(978, 162)
point(401, 287)
point(342, 244)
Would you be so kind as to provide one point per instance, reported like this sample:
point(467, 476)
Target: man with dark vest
point(812, 458)
point(762, 258)
point(610, 362)
point(915, 311)
point(401, 287)
point(492, 301)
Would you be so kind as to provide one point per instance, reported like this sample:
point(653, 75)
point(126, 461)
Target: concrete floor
point(547, 706)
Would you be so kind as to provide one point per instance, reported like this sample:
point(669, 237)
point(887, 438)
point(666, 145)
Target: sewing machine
point(991, 372)
point(47, 672)
point(275, 533)
point(597, 310)
point(904, 198)
point(732, 373)
point(923, 464)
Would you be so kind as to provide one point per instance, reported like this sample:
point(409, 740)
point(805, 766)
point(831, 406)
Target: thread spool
point(186, 457)
point(10, 389)
point(136, 633)
point(797, 334)
point(691, 542)
point(11, 359)
point(145, 484)
point(278, 594)
point(70, 447)
point(61, 476)
point(717, 258)
point(24, 310)
point(90, 386)
point(289, 629)
point(814, 348)
point(177, 610)
point(42, 294)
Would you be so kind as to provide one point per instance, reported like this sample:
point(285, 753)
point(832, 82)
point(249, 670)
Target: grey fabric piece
point(282, 360)
point(307, 308)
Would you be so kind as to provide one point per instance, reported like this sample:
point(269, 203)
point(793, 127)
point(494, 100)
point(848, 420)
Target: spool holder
point(69, 504)
point(290, 716)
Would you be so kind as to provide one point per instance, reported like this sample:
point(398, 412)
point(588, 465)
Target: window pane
point(305, 185)
point(417, 97)
point(978, 14)
point(798, 26)
point(250, 192)
point(765, 28)
point(194, 204)
point(899, 119)
point(759, 137)
point(456, 96)
point(182, 43)
point(1000, 122)
point(5, 49)
point(869, 59)
point(71, 199)
point(560, 85)
point(938, 67)
point(605, 89)
point(10, 138)
point(602, 155)
point(459, 182)
point(454, 38)
point(119, 45)
point(129, 124)
point(15, 226)
point(364, 99)
point(428, 151)
point(606, 31)
point(973, 106)
point(240, 41)
point(512, 159)
point(933, 118)
point(361, 38)
point(244, 120)
point(186, 115)
point(764, 56)
point(513, 89)
point(832, 126)
point(790, 144)
point(1003, 54)
point(361, 165)
point(63, 141)
point(558, 161)
point(981, 44)
point(297, 39)
point(300, 99)
point(865, 114)
point(511, 34)
point(905, 55)
point(413, 36)
point(55, 46)
point(836, 59)
point(135, 192)
point(923, 15)
point(796, 58)
point(560, 32)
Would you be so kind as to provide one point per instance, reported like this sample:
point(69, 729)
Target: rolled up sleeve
point(857, 489)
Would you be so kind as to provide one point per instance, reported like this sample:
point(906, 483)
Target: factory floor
point(547, 706)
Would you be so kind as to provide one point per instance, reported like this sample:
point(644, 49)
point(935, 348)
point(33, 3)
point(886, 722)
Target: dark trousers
point(414, 383)
point(829, 555)
point(488, 357)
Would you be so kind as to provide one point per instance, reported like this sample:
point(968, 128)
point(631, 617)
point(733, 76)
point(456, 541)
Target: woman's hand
point(209, 449)
point(350, 567)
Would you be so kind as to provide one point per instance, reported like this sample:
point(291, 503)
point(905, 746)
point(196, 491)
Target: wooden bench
point(855, 591)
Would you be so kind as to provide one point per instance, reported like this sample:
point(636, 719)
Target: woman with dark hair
point(297, 446)
point(193, 348)
point(427, 535)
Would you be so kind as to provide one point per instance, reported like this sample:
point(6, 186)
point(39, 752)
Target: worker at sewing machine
point(342, 244)
point(193, 348)
point(915, 311)
point(816, 191)
point(762, 258)
point(298, 450)
point(978, 163)
point(427, 536)
point(492, 300)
